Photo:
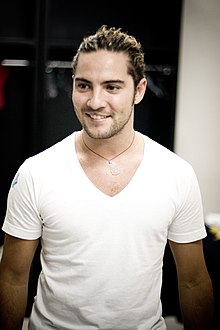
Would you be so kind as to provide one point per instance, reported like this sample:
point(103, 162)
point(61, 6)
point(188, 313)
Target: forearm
point(197, 306)
point(13, 301)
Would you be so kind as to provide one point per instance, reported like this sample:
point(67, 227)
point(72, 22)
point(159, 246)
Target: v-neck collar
point(119, 195)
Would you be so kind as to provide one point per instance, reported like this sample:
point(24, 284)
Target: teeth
point(97, 117)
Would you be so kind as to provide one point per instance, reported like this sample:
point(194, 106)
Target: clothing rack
point(166, 69)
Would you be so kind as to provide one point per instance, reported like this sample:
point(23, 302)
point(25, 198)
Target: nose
point(96, 100)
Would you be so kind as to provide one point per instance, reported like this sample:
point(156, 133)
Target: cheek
point(125, 101)
point(75, 98)
point(78, 100)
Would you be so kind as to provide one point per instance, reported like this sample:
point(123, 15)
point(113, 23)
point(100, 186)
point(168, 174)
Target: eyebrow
point(82, 79)
point(112, 81)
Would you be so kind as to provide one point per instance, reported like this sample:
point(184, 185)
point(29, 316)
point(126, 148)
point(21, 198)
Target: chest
point(110, 177)
point(72, 209)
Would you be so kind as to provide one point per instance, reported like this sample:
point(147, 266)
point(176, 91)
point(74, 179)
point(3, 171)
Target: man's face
point(103, 93)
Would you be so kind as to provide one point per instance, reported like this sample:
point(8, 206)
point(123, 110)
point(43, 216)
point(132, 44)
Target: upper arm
point(17, 258)
point(189, 260)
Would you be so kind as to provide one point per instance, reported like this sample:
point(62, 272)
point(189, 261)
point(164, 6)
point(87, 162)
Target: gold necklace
point(113, 168)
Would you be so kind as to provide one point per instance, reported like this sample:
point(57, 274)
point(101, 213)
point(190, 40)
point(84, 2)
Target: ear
point(140, 90)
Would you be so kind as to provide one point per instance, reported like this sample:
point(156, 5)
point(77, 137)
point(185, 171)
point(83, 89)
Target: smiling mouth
point(97, 117)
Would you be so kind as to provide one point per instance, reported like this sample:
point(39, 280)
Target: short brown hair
point(115, 40)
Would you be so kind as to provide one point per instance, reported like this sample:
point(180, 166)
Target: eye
point(113, 88)
point(82, 86)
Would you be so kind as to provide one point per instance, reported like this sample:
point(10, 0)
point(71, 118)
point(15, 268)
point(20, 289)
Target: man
point(103, 202)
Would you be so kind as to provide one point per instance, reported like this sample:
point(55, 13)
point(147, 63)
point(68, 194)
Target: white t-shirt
point(102, 256)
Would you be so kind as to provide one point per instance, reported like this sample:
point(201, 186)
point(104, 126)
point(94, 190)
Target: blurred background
point(180, 110)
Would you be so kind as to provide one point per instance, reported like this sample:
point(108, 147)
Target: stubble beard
point(115, 128)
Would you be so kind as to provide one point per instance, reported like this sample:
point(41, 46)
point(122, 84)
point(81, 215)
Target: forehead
point(102, 61)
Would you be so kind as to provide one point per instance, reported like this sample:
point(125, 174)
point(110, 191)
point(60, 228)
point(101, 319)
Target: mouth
point(97, 117)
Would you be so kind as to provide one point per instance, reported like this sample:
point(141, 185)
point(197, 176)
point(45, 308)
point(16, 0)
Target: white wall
point(197, 131)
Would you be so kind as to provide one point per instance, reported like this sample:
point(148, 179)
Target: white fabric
point(102, 256)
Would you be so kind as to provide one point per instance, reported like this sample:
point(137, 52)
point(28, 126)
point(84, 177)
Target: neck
point(113, 156)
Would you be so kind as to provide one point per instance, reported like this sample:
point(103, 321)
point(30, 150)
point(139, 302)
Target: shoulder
point(48, 161)
point(166, 164)
point(162, 155)
point(55, 153)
